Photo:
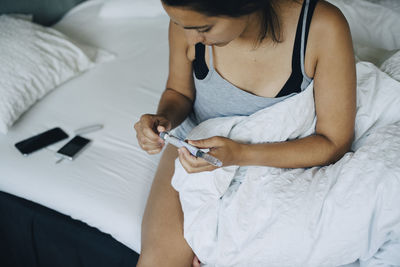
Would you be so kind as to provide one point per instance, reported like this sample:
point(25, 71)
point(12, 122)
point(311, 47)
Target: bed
point(117, 173)
point(87, 212)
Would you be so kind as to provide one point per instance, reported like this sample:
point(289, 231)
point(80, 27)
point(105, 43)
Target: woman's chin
point(216, 44)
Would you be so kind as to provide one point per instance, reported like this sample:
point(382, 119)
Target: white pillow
point(374, 24)
point(392, 4)
point(131, 8)
point(35, 60)
point(392, 66)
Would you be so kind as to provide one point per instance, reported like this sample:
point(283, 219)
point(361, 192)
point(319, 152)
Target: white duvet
point(321, 216)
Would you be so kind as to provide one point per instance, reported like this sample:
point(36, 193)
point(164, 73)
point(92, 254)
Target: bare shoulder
point(331, 42)
point(180, 76)
point(333, 47)
point(329, 22)
point(328, 14)
point(177, 37)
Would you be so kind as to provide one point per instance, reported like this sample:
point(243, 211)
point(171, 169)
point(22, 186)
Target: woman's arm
point(335, 103)
point(177, 100)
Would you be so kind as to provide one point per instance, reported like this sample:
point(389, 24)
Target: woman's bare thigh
point(162, 226)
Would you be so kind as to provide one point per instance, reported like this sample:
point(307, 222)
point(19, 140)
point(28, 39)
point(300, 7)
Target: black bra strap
point(293, 84)
point(310, 13)
point(199, 64)
point(297, 42)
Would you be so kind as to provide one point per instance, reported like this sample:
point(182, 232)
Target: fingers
point(154, 151)
point(163, 128)
point(192, 164)
point(147, 135)
point(150, 135)
point(149, 146)
point(163, 125)
point(147, 125)
point(206, 143)
point(196, 262)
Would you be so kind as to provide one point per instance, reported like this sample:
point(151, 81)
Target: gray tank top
point(217, 97)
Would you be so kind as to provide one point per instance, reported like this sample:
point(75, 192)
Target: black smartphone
point(41, 140)
point(71, 149)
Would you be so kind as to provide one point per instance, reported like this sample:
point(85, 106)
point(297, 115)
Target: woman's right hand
point(147, 132)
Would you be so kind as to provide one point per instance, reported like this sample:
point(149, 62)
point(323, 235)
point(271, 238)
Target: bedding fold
point(320, 216)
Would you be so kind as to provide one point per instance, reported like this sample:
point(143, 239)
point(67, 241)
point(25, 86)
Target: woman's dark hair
point(237, 8)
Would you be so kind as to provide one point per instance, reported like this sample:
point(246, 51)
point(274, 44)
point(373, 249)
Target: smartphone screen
point(41, 140)
point(71, 149)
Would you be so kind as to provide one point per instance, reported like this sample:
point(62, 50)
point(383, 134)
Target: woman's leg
point(162, 226)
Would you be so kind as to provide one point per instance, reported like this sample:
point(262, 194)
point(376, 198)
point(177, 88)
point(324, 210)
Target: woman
point(235, 58)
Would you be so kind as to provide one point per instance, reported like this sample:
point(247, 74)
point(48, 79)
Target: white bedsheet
point(108, 184)
point(320, 216)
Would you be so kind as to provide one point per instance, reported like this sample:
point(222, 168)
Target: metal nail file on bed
point(88, 129)
point(197, 152)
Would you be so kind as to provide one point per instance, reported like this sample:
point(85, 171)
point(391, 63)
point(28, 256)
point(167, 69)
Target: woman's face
point(200, 28)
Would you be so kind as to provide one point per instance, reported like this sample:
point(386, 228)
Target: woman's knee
point(148, 260)
point(158, 257)
point(166, 166)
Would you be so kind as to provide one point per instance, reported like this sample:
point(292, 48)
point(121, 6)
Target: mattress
point(107, 185)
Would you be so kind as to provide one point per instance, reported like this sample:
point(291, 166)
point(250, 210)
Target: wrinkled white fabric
point(321, 216)
point(372, 23)
point(392, 67)
point(34, 61)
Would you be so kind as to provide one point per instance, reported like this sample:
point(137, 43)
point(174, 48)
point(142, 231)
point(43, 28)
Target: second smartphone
point(71, 149)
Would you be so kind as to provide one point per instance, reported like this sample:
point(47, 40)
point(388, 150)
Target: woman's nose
point(194, 37)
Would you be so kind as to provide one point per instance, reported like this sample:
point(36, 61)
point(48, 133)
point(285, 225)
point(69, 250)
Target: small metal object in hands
point(197, 152)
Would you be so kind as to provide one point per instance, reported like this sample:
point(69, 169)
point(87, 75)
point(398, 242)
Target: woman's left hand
point(224, 149)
